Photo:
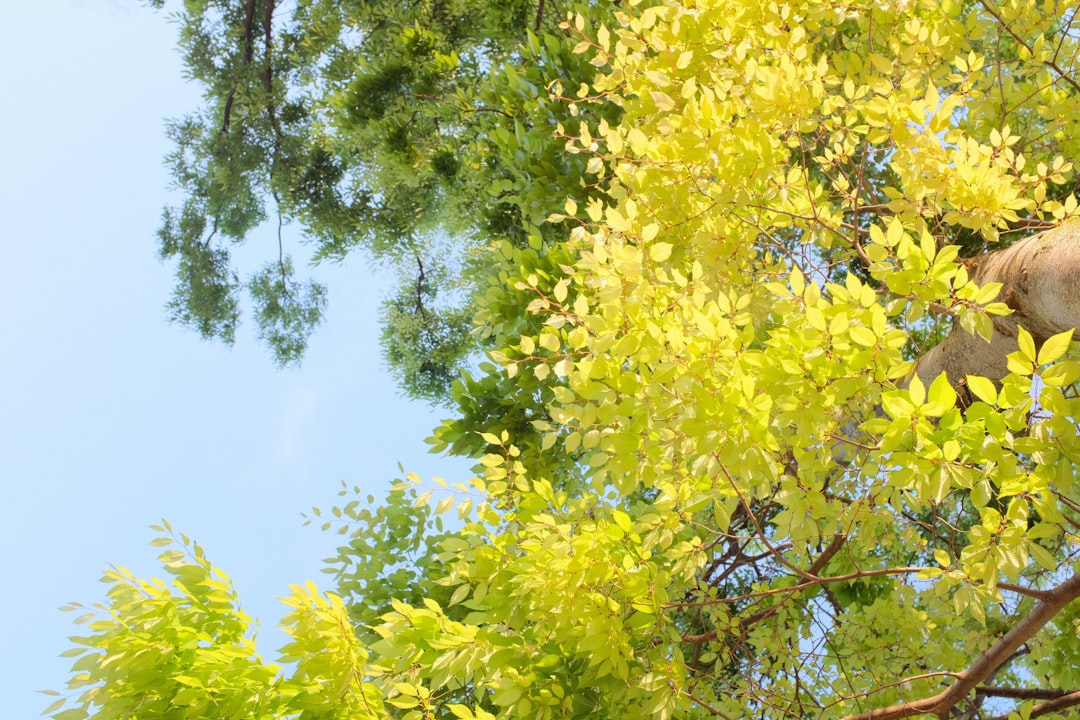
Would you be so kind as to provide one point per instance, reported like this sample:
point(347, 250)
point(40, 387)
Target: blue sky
point(110, 418)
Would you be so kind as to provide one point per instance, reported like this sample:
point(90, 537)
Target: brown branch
point(910, 679)
point(420, 287)
point(1021, 590)
point(706, 706)
point(1065, 701)
point(539, 16)
point(824, 558)
point(984, 665)
point(1052, 64)
point(434, 99)
point(268, 77)
point(823, 581)
point(1021, 693)
point(769, 611)
point(249, 51)
point(228, 110)
point(761, 533)
point(268, 84)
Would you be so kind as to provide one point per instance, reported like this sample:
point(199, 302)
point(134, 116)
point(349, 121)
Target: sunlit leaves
point(184, 646)
point(1054, 347)
point(982, 388)
point(709, 474)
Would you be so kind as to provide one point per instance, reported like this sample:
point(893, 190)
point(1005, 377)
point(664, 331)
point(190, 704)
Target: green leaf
point(1061, 374)
point(941, 397)
point(1027, 345)
point(980, 494)
point(56, 704)
point(1042, 556)
point(897, 404)
point(598, 459)
point(72, 714)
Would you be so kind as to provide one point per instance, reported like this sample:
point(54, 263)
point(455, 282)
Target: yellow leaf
point(917, 391)
point(663, 101)
point(941, 397)
point(660, 252)
point(1054, 347)
point(863, 335)
point(561, 289)
point(881, 63)
point(798, 282)
point(982, 388)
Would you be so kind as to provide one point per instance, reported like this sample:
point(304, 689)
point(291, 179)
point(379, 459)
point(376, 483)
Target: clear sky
point(111, 418)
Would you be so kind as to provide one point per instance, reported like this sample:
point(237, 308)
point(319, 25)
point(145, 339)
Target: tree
point(375, 126)
point(786, 427)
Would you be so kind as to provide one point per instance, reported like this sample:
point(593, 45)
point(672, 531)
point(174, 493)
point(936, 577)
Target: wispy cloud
point(299, 409)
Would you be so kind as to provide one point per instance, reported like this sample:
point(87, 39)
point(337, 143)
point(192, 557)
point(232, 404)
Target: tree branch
point(420, 286)
point(940, 704)
point(706, 706)
point(1065, 701)
point(1021, 693)
point(1039, 278)
point(1051, 63)
point(771, 610)
point(249, 51)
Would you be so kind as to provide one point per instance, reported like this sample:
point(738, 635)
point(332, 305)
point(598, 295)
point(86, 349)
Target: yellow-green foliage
point(719, 497)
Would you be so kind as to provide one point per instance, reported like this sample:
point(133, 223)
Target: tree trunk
point(1040, 278)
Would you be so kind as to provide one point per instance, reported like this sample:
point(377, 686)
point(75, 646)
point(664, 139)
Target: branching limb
point(988, 661)
point(249, 50)
point(1022, 693)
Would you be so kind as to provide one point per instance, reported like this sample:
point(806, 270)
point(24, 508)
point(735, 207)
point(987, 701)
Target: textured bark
point(1040, 278)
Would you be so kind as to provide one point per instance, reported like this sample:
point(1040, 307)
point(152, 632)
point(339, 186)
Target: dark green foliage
point(426, 348)
point(285, 311)
point(375, 125)
point(205, 297)
point(427, 328)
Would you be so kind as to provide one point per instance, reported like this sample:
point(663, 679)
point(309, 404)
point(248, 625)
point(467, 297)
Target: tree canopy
point(779, 417)
point(377, 127)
